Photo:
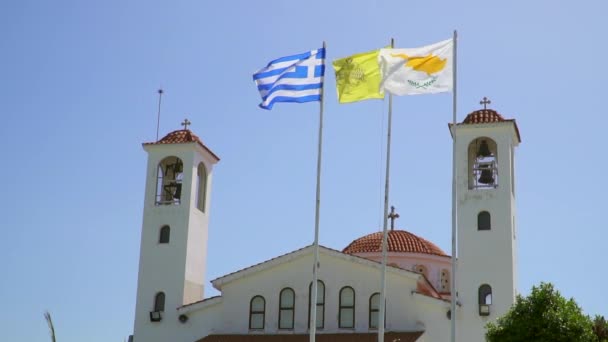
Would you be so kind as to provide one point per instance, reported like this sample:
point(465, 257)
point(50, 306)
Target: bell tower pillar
point(174, 234)
point(486, 274)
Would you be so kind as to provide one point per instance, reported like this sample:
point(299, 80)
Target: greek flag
point(297, 78)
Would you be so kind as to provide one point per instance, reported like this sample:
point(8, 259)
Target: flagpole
point(453, 292)
point(160, 97)
point(382, 307)
point(315, 267)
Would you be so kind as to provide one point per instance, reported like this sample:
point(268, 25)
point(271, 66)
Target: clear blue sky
point(78, 93)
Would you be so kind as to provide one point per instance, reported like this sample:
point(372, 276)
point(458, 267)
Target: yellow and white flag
point(422, 70)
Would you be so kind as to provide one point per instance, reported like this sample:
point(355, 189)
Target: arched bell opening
point(483, 166)
point(169, 181)
point(201, 192)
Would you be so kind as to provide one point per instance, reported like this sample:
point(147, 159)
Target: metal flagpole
point(382, 307)
point(453, 292)
point(315, 267)
point(160, 96)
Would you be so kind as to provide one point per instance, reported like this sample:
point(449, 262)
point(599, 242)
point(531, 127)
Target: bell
point(486, 177)
point(484, 150)
point(178, 191)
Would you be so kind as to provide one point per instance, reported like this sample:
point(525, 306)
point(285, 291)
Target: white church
point(270, 301)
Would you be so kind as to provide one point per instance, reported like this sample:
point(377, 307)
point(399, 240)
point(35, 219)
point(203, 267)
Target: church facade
point(271, 301)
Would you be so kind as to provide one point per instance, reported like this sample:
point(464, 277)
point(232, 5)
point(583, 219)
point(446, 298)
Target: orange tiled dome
point(398, 241)
point(181, 136)
point(483, 116)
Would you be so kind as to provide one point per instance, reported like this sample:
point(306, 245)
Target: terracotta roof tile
point(483, 116)
point(181, 136)
point(398, 241)
point(353, 337)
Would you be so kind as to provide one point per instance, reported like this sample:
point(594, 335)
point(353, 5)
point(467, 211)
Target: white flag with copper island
point(423, 70)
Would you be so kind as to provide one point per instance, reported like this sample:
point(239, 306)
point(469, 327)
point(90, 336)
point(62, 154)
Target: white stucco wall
point(404, 311)
point(175, 268)
point(487, 256)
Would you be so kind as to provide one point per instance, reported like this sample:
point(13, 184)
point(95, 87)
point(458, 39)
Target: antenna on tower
point(160, 97)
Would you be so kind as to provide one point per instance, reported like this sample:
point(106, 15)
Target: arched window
point(485, 299)
point(483, 168)
point(346, 314)
point(445, 281)
point(484, 221)
point(169, 181)
point(286, 308)
point(201, 193)
point(422, 270)
point(374, 308)
point(257, 312)
point(320, 303)
point(159, 302)
point(165, 233)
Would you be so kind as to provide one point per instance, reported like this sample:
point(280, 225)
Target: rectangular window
point(347, 317)
point(257, 321)
point(286, 319)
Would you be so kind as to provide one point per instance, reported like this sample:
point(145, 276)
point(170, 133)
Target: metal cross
point(485, 102)
point(186, 123)
point(393, 216)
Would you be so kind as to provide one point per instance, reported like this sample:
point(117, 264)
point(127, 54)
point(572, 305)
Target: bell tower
point(486, 240)
point(174, 234)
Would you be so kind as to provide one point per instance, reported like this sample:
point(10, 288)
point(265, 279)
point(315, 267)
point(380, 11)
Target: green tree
point(543, 316)
point(600, 328)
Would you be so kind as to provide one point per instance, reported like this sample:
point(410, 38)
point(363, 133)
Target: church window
point(159, 302)
point(374, 308)
point(346, 315)
point(164, 235)
point(485, 299)
point(170, 173)
point(445, 281)
point(201, 186)
point(421, 269)
point(320, 303)
point(286, 308)
point(257, 312)
point(483, 168)
point(484, 221)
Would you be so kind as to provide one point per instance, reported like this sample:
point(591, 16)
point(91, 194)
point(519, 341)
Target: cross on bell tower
point(186, 123)
point(393, 216)
point(485, 102)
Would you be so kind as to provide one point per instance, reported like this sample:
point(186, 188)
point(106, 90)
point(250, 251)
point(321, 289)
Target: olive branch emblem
point(422, 84)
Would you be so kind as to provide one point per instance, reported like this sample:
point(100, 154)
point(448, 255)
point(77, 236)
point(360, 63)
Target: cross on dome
point(186, 123)
point(393, 216)
point(485, 102)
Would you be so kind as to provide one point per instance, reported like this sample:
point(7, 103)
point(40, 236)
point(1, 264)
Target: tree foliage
point(600, 328)
point(543, 316)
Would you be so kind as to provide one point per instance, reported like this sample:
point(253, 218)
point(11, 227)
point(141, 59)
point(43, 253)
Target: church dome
point(483, 116)
point(182, 136)
point(398, 241)
point(179, 137)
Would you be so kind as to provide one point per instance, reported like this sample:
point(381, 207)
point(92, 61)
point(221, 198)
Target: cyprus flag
point(423, 70)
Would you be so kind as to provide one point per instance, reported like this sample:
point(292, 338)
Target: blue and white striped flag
point(297, 78)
